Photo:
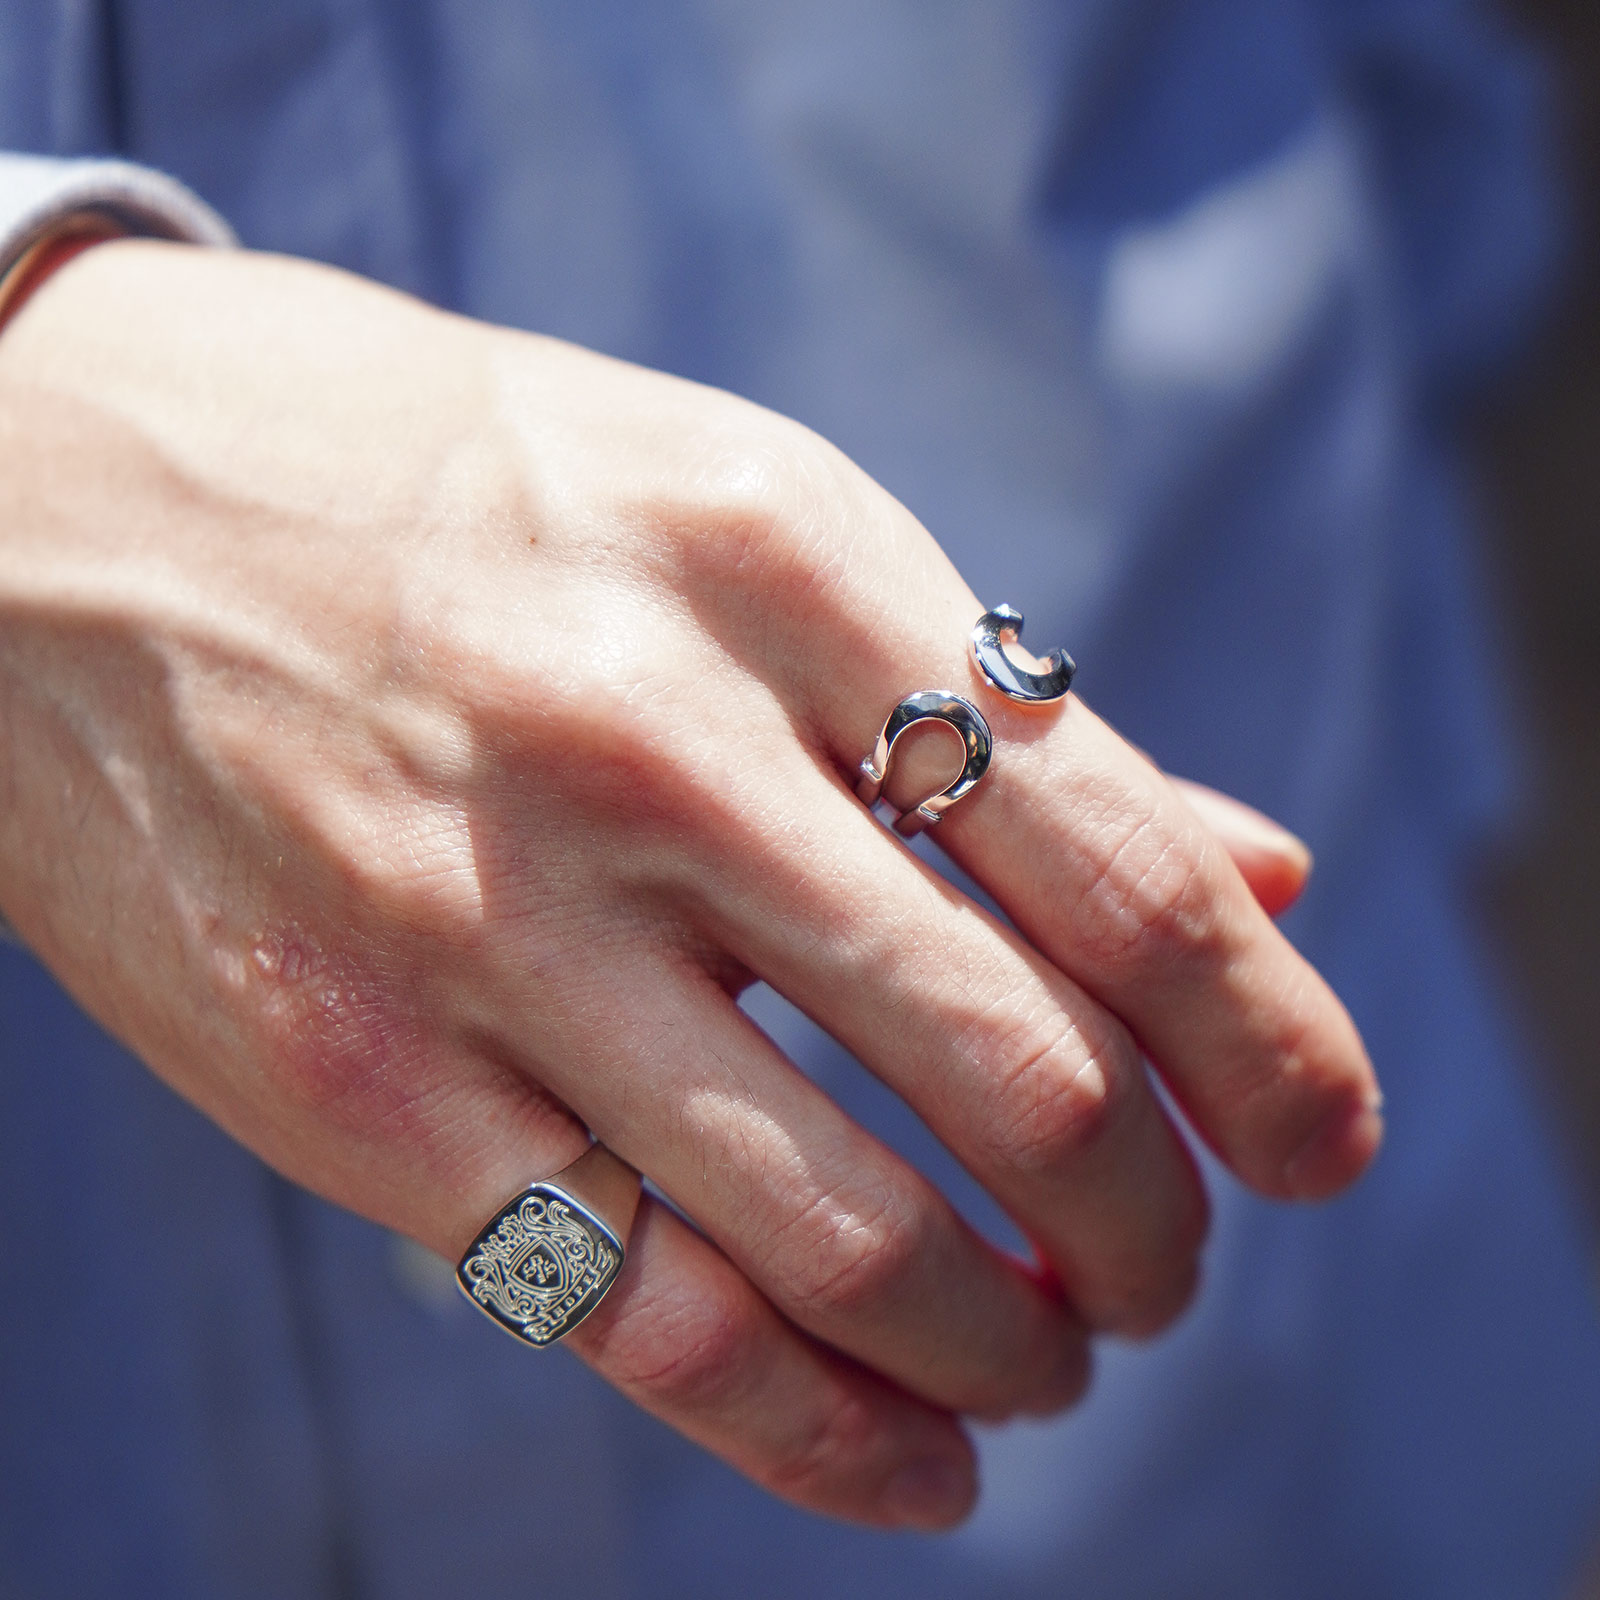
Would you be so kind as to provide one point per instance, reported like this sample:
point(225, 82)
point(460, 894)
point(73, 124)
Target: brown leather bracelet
point(48, 254)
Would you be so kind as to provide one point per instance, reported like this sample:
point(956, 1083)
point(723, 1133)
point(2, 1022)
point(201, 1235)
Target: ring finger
point(1033, 1085)
point(843, 1236)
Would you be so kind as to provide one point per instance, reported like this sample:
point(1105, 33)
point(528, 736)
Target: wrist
point(48, 254)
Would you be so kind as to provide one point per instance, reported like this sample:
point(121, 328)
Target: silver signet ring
point(994, 629)
point(929, 705)
point(546, 1258)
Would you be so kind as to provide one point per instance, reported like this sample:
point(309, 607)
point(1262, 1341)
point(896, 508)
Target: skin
point(415, 735)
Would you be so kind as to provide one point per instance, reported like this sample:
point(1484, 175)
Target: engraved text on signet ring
point(1003, 625)
point(929, 705)
point(546, 1258)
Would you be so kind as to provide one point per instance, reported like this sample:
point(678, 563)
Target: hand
point(417, 733)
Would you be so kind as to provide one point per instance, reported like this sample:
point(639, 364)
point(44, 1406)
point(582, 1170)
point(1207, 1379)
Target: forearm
point(51, 209)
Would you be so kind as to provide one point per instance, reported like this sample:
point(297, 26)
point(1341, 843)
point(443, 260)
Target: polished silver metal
point(546, 1258)
point(993, 631)
point(929, 705)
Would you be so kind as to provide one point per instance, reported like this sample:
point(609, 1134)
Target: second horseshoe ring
point(1003, 625)
point(929, 705)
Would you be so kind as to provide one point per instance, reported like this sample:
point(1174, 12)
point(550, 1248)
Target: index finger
point(1089, 850)
point(1101, 866)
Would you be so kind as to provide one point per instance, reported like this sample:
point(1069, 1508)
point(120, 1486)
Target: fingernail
point(1337, 1152)
point(931, 1493)
point(1277, 839)
point(1242, 825)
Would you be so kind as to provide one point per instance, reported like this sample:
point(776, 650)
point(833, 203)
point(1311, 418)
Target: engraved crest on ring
point(541, 1265)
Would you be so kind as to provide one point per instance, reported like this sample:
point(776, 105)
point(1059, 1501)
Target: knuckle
point(337, 1042)
point(1266, 1096)
point(774, 504)
point(857, 1260)
point(757, 490)
point(1268, 1107)
point(631, 762)
point(689, 1356)
point(1059, 1099)
point(625, 753)
point(844, 1437)
point(1152, 902)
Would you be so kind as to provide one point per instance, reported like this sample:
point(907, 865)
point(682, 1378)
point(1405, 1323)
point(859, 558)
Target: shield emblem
point(542, 1268)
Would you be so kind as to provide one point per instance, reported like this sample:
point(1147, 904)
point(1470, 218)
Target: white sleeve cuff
point(37, 193)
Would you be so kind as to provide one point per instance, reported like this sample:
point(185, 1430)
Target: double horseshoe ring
point(929, 705)
point(993, 631)
point(1000, 627)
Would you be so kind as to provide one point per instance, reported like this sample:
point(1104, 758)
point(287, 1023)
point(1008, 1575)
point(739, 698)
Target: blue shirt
point(1154, 313)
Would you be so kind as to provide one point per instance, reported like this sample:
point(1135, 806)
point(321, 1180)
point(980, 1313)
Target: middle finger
point(1033, 1085)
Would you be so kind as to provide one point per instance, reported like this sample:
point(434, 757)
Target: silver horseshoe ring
point(929, 705)
point(1001, 626)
